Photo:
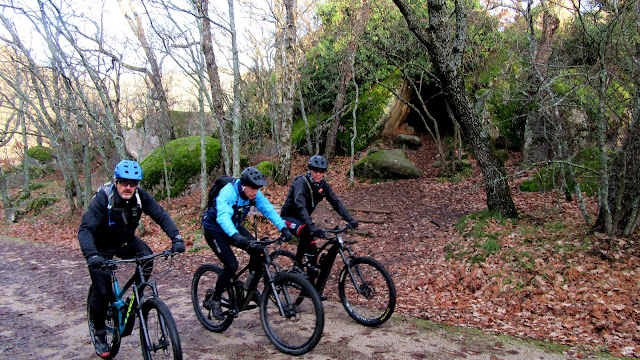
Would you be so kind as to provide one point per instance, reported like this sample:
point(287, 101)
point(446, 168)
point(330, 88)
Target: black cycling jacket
point(98, 233)
point(303, 197)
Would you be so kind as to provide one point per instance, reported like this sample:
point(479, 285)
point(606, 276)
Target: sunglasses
point(131, 183)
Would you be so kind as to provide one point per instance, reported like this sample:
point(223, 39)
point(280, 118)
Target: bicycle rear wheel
point(164, 341)
point(298, 328)
point(284, 259)
point(202, 285)
point(370, 295)
point(112, 326)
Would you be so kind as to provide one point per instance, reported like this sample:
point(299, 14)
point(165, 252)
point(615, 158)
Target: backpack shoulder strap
point(306, 180)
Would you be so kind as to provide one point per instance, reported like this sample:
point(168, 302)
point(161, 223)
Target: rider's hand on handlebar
point(317, 232)
point(286, 234)
point(255, 245)
point(96, 261)
point(353, 224)
point(240, 240)
point(178, 247)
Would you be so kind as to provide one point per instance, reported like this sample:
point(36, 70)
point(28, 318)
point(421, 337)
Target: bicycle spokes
point(367, 291)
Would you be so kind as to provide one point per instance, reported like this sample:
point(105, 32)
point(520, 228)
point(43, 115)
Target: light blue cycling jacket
point(231, 209)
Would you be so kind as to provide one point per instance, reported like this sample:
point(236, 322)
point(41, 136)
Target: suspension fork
point(269, 279)
point(139, 289)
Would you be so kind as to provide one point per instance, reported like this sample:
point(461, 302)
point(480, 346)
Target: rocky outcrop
point(387, 164)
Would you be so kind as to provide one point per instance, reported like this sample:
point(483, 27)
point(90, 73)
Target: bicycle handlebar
point(266, 241)
point(338, 230)
point(112, 263)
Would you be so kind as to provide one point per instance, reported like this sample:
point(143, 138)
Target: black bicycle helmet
point(318, 163)
point(252, 177)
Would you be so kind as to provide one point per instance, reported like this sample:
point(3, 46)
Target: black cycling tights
point(221, 243)
point(101, 278)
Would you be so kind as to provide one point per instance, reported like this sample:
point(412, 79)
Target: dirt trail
point(42, 314)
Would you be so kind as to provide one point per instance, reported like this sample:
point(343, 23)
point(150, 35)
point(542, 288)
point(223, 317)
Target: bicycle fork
point(143, 320)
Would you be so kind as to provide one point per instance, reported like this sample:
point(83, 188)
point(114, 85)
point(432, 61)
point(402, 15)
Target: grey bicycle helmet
point(252, 177)
point(318, 163)
point(128, 169)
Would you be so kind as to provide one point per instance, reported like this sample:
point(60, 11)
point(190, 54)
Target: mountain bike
point(366, 288)
point(293, 327)
point(158, 332)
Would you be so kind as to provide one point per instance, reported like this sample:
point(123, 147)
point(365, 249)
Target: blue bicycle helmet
point(128, 169)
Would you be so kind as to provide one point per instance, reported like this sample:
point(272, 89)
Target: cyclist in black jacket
point(305, 193)
point(108, 228)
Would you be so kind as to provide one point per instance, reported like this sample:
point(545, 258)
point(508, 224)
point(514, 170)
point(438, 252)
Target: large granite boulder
point(387, 164)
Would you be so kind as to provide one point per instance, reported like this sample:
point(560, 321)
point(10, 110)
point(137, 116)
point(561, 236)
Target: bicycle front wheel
point(163, 340)
point(202, 285)
point(112, 326)
point(294, 328)
point(367, 291)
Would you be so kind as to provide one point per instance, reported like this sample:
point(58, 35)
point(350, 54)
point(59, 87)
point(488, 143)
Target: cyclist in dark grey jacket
point(305, 193)
point(108, 228)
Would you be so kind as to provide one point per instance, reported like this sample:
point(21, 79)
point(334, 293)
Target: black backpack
point(216, 187)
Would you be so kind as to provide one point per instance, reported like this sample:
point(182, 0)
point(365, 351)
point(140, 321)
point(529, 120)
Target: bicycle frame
point(119, 303)
point(331, 248)
point(240, 301)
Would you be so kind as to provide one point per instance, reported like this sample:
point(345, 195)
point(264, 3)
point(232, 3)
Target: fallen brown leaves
point(551, 278)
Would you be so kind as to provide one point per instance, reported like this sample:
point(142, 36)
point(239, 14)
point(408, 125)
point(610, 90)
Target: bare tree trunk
point(237, 120)
point(203, 146)
point(445, 47)
point(307, 132)
point(359, 25)
point(214, 79)
point(26, 160)
point(160, 114)
point(540, 134)
point(288, 94)
point(354, 126)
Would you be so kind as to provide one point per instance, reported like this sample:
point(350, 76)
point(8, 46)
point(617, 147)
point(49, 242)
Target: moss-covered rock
point(41, 153)
point(387, 164)
point(267, 168)
point(407, 141)
point(183, 164)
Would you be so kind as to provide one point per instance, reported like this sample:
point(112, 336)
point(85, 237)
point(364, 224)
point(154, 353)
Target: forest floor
point(545, 276)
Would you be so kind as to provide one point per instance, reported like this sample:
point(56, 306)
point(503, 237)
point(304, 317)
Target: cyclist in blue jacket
point(222, 225)
point(108, 228)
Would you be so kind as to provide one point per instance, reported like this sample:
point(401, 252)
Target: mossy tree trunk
point(623, 216)
point(444, 39)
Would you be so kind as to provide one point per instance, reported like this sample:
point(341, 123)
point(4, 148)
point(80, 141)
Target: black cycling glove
point(286, 234)
point(240, 240)
point(316, 231)
point(353, 223)
point(96, 261)
point(178, 245)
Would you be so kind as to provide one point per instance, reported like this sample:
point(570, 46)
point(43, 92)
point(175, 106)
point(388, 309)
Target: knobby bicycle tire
point(300, 329)
point(112, 326)
point(372, 299)
point(202, 285)
point(162, 331)
point(284, 259)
